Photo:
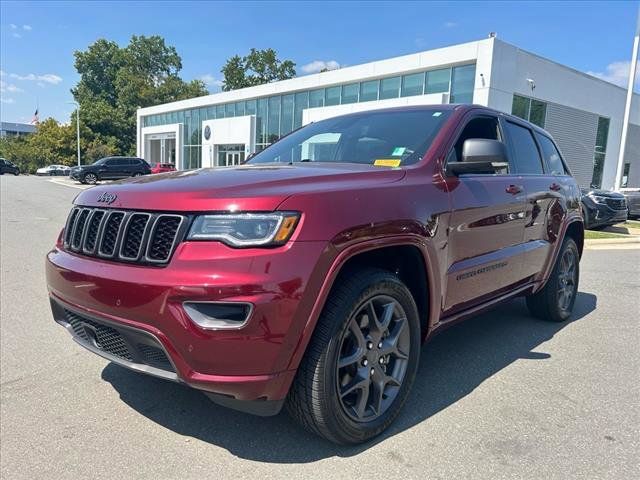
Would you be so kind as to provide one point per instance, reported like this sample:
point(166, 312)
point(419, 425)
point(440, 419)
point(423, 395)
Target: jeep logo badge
point(107, 198)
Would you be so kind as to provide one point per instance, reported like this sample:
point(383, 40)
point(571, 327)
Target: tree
point(115, 82)
point(260, 66)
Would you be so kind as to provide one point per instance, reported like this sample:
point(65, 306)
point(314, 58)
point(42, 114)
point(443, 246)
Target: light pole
point(77, 127)
point(627, 106)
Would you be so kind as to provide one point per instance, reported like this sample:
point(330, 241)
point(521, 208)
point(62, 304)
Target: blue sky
point(37, 39)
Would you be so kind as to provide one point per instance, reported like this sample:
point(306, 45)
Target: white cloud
point(319, 65)
point(210, 80)
point(9, 87)
point(13, 26)
point(618, 73)
point(7, 100)
point(450, 24)
point(2, 73)
point(16, 35)
point(32, 77)
point(28, 28)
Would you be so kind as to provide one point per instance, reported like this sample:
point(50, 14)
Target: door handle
point(555, 187)
point(514, 189)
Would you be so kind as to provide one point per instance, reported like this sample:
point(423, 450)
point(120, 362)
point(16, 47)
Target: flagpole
point(627, 107)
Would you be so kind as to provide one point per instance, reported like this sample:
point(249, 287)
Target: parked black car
point(110, 168)
point(601, 208)
point(8, 167)
point(633, 201)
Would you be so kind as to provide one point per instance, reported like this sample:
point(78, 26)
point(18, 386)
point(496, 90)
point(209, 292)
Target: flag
point(35, 120)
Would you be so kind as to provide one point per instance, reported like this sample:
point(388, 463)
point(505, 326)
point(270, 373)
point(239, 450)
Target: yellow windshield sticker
point(387, 162)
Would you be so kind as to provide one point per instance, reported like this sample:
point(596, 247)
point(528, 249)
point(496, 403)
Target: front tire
point(554, 302)
point(90, 178)
point(362, 359)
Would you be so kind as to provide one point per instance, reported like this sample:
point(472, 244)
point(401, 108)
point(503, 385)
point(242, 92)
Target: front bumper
point(144, 305)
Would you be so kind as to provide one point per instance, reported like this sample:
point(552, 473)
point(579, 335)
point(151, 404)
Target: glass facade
point(280, 114)
point(529, 109)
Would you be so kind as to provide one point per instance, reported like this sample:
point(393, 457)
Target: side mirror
point(480, 155)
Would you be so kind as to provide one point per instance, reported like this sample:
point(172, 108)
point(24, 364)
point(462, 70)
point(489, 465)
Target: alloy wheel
point(567, 279)
point(373, 359)
point(90, 178)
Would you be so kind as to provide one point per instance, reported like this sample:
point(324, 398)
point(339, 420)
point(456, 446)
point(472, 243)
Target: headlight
point(245, 229)
point(598, 199)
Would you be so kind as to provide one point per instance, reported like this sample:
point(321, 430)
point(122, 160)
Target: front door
point(229, 155)
point(486, 227)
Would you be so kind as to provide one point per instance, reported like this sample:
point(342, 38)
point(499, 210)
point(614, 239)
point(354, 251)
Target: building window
point(437, 81)
point(273, 124)
point(350, 93)
point(331, 96)
point(286, 114)
point(369, 90)
point(625, 175)
point(600, 151)
point(316, 98)
point(412, 85)
point(230, 110)
point(529, 109)
point(389, 88)
point(301, 103)
point(462, 84)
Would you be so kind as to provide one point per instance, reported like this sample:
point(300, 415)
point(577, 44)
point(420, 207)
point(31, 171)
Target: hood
point(242, 188)
point(602, 193)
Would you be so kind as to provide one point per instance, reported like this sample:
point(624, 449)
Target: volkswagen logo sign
point(107, 198)
point(207, 132)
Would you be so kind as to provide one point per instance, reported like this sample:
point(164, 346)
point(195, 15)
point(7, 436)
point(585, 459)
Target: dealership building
point(582, 112)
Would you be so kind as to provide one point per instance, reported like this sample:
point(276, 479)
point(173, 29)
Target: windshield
point(387, 138)
point(101, 161)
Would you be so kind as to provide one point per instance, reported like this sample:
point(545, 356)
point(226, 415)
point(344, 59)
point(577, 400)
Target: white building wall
point(562, 85)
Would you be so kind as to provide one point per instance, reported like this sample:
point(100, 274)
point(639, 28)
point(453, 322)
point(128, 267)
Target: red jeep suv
point(310, 276)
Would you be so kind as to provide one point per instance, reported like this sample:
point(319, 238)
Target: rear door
point(486, 226)
point(544, 205)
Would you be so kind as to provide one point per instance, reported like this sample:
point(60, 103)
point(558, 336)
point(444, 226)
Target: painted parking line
point(67, 183)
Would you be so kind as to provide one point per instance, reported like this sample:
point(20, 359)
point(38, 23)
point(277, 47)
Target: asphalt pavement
point(499, 396)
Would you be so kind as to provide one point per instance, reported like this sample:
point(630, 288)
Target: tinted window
point(527, 158)
point(118, 161)
point(551, 155)
point(383, 138)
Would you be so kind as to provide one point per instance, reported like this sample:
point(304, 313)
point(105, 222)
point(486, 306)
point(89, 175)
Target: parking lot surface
point(499, 396)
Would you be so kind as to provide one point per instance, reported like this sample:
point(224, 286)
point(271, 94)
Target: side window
point(551, 155)
point(111, 162)
point(119, 161)
point(525, 152)
point(480, 127)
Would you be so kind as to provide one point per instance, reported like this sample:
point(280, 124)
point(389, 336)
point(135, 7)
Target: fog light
point(218, 315)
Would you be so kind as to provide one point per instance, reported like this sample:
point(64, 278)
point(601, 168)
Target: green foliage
point(114, 83)
point(51, 144)
point(260, 66)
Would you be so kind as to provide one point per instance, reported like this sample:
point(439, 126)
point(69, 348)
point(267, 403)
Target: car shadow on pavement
point(452, 365)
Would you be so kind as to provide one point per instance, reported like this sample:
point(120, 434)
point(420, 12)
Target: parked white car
point(52, 170)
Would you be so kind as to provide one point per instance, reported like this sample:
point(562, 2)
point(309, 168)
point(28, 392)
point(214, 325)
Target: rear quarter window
point(551, 155)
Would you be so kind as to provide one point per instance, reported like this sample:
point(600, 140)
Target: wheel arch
point(417, 269)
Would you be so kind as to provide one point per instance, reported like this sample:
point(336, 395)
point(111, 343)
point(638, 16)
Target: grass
point(593, 234)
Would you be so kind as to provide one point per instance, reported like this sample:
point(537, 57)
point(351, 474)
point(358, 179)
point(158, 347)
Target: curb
point(611, 241)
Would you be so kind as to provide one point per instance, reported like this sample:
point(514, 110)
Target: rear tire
point(361, 361)
point(554, 302)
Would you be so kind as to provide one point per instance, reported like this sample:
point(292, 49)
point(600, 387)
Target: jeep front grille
point(124, 236)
